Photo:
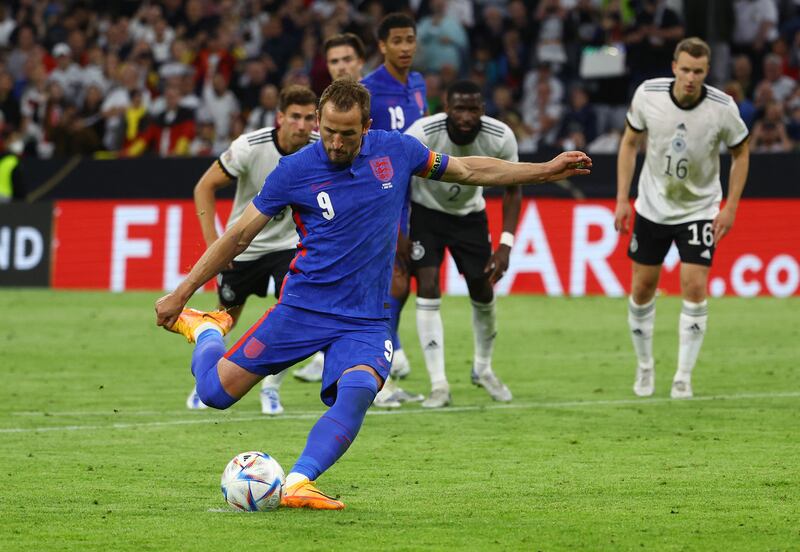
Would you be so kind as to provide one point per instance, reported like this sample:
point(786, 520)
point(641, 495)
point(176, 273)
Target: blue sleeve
point(274, 195)
point(422, 161)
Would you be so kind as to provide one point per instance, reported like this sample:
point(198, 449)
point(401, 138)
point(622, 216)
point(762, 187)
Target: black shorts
point(248, 278)
point(467, 238)
point(650, 241)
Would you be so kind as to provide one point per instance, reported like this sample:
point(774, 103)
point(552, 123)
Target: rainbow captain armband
point(435, 166)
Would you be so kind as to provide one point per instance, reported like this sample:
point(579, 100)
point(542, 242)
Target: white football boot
point(439, 397)
point(681, 389)
point(645, 382)
point(193, 402)
point(496, 388)
point(312, 371)
point(271, 402)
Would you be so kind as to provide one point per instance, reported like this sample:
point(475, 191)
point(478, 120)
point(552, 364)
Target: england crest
point(382, 168)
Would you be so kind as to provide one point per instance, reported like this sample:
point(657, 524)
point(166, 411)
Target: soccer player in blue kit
point(346, 193)
point(398, 99)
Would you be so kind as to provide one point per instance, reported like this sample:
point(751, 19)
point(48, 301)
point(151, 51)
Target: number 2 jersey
point(347, 218)
point(495, 139)
point(249, 159)
point(680, 178)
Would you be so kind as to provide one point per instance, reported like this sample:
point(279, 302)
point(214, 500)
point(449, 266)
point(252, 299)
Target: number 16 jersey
point(680, 178)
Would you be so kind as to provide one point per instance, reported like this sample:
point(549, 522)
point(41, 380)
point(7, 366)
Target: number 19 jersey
point(680, 178)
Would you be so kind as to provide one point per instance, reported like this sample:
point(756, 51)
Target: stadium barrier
point(563, 247)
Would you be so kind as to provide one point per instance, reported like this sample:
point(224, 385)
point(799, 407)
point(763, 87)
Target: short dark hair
point(462, 87)
point(695, 47)
point(296, 94)
point(396, 20)
point(346, 39)
point(344, 94)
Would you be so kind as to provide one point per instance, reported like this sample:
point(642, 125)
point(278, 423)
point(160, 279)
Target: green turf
point(98, 453)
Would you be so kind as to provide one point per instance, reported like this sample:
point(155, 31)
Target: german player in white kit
point(452, 216)
point(678, 200)
point(248, 161)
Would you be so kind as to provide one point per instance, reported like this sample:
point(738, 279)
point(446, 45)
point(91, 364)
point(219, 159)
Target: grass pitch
point(97, 451)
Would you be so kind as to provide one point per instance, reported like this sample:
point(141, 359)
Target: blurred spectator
point(24, 48)
point(743, 74)
point(250, 83)
point(782, 86)
point(32, 106)
point(442, 40)
point(67, 73)
point(10, 116)
point(168, 134)
point(579, 124)
point(755, 26)
point(544, 117)
point(550, 18)
point(746, 108)
point(530, 89)
point(7, 25)
point(769, 132)
point(221, 105)
point(266, 113)
point(203, 143)
point(116, 104)
point(793, 126)
point(652, 40)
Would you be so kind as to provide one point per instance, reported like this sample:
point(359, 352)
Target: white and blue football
point(253, 482)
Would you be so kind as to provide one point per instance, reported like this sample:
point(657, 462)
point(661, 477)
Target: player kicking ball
point(346, 193)
point(445, 215)
point(678, 201)
point(248, 160)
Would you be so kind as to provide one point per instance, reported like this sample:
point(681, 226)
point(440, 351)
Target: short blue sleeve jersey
point(347, 219)
point(394, 105)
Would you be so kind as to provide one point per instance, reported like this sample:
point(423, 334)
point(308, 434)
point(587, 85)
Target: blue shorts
point(286, 335)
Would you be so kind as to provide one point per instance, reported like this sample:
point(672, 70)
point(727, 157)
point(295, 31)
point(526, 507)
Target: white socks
point(294, 477)
point(691, 330)
point(273, 381)
point(641, 319)
point(483, 331)
point(431, 339)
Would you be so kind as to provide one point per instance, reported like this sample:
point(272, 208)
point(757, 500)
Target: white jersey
point(680, 178)
point(250, 158)
point(495, 139)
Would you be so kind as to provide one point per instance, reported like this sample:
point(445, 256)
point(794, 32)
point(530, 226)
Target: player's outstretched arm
point(229, 245)
point(488, 171)
point(740, 166)
point(205, 199)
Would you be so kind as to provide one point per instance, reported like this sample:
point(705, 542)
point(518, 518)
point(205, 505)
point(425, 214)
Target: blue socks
point(396, 306)
point(332, 435)
point(209, 349)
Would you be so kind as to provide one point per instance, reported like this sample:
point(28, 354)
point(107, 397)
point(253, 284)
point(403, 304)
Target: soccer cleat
point(312, 371)
point(271, 402)
point(645, 382)
point(191, 319)
point(681, 390)
point(496, 388)
point(385, 399)
point(305, 495)
point(439, 398)
point(401, 368)
point(401, 396)
point(193, 402)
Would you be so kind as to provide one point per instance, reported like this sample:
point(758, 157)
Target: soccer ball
point(253, 481)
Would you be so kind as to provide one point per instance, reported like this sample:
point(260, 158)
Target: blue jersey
point(347, 219)
point(394, 105)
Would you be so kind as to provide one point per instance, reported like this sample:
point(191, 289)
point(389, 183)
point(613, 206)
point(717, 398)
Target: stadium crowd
point(186, 77)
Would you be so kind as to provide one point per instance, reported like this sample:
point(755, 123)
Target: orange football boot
point(190, 319)
point(305, 495)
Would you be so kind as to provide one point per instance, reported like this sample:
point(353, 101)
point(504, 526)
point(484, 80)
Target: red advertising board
point(563, 247)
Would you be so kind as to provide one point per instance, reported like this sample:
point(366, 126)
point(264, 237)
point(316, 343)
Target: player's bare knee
point(428, 289)
point(235, 380)
point(368, 369)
